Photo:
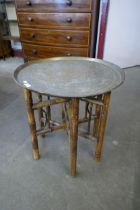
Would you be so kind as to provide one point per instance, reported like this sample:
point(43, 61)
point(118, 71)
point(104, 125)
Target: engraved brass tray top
point(69, 76)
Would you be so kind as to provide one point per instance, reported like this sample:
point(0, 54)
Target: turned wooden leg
point(31, 121)
point(102, 126)
point(96, 120)
point(74, 115)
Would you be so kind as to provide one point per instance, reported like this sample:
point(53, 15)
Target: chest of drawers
point(50, 28)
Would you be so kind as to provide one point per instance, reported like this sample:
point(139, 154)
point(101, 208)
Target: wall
point(122, 42)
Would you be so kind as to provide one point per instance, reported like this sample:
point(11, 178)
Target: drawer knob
point(32, 35)
point(69, 54)
point(28, 3)
point(34, 51)
point(69, 3)
point(69, 38)
point(30, 19)
point(69, 20)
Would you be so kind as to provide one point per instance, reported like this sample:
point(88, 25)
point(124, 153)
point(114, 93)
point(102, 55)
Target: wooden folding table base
point(72, 124)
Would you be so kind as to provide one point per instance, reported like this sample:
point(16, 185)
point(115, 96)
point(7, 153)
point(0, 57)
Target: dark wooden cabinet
point(50, 28)
point(5, 47)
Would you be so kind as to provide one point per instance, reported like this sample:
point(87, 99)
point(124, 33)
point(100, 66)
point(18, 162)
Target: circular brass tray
point(69, 76)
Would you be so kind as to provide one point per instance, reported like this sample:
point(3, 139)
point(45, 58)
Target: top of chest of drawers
point(54, 5)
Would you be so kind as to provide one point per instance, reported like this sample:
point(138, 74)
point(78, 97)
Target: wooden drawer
point(37, 51)
point(56, 37)
point(61, 20)
point(53, 5)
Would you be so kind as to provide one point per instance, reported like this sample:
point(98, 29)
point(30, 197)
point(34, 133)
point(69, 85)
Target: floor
point(112, 184)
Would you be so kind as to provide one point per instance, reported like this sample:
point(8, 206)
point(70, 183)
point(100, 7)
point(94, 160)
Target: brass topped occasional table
point(69, 80)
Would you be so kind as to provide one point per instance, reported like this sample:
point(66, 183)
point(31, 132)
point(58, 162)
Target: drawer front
point(61, 20)
point(53, 5)
point(36, 51)
point(56, 37)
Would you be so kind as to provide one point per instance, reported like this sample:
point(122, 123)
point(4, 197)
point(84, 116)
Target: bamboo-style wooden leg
point(31, 121)
point(40, 112)
point(102, 126)
point(49, 114)
point(74, 115)
point(86, 109)
point(89, 119)
point(63, 113)
point(96, 121)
